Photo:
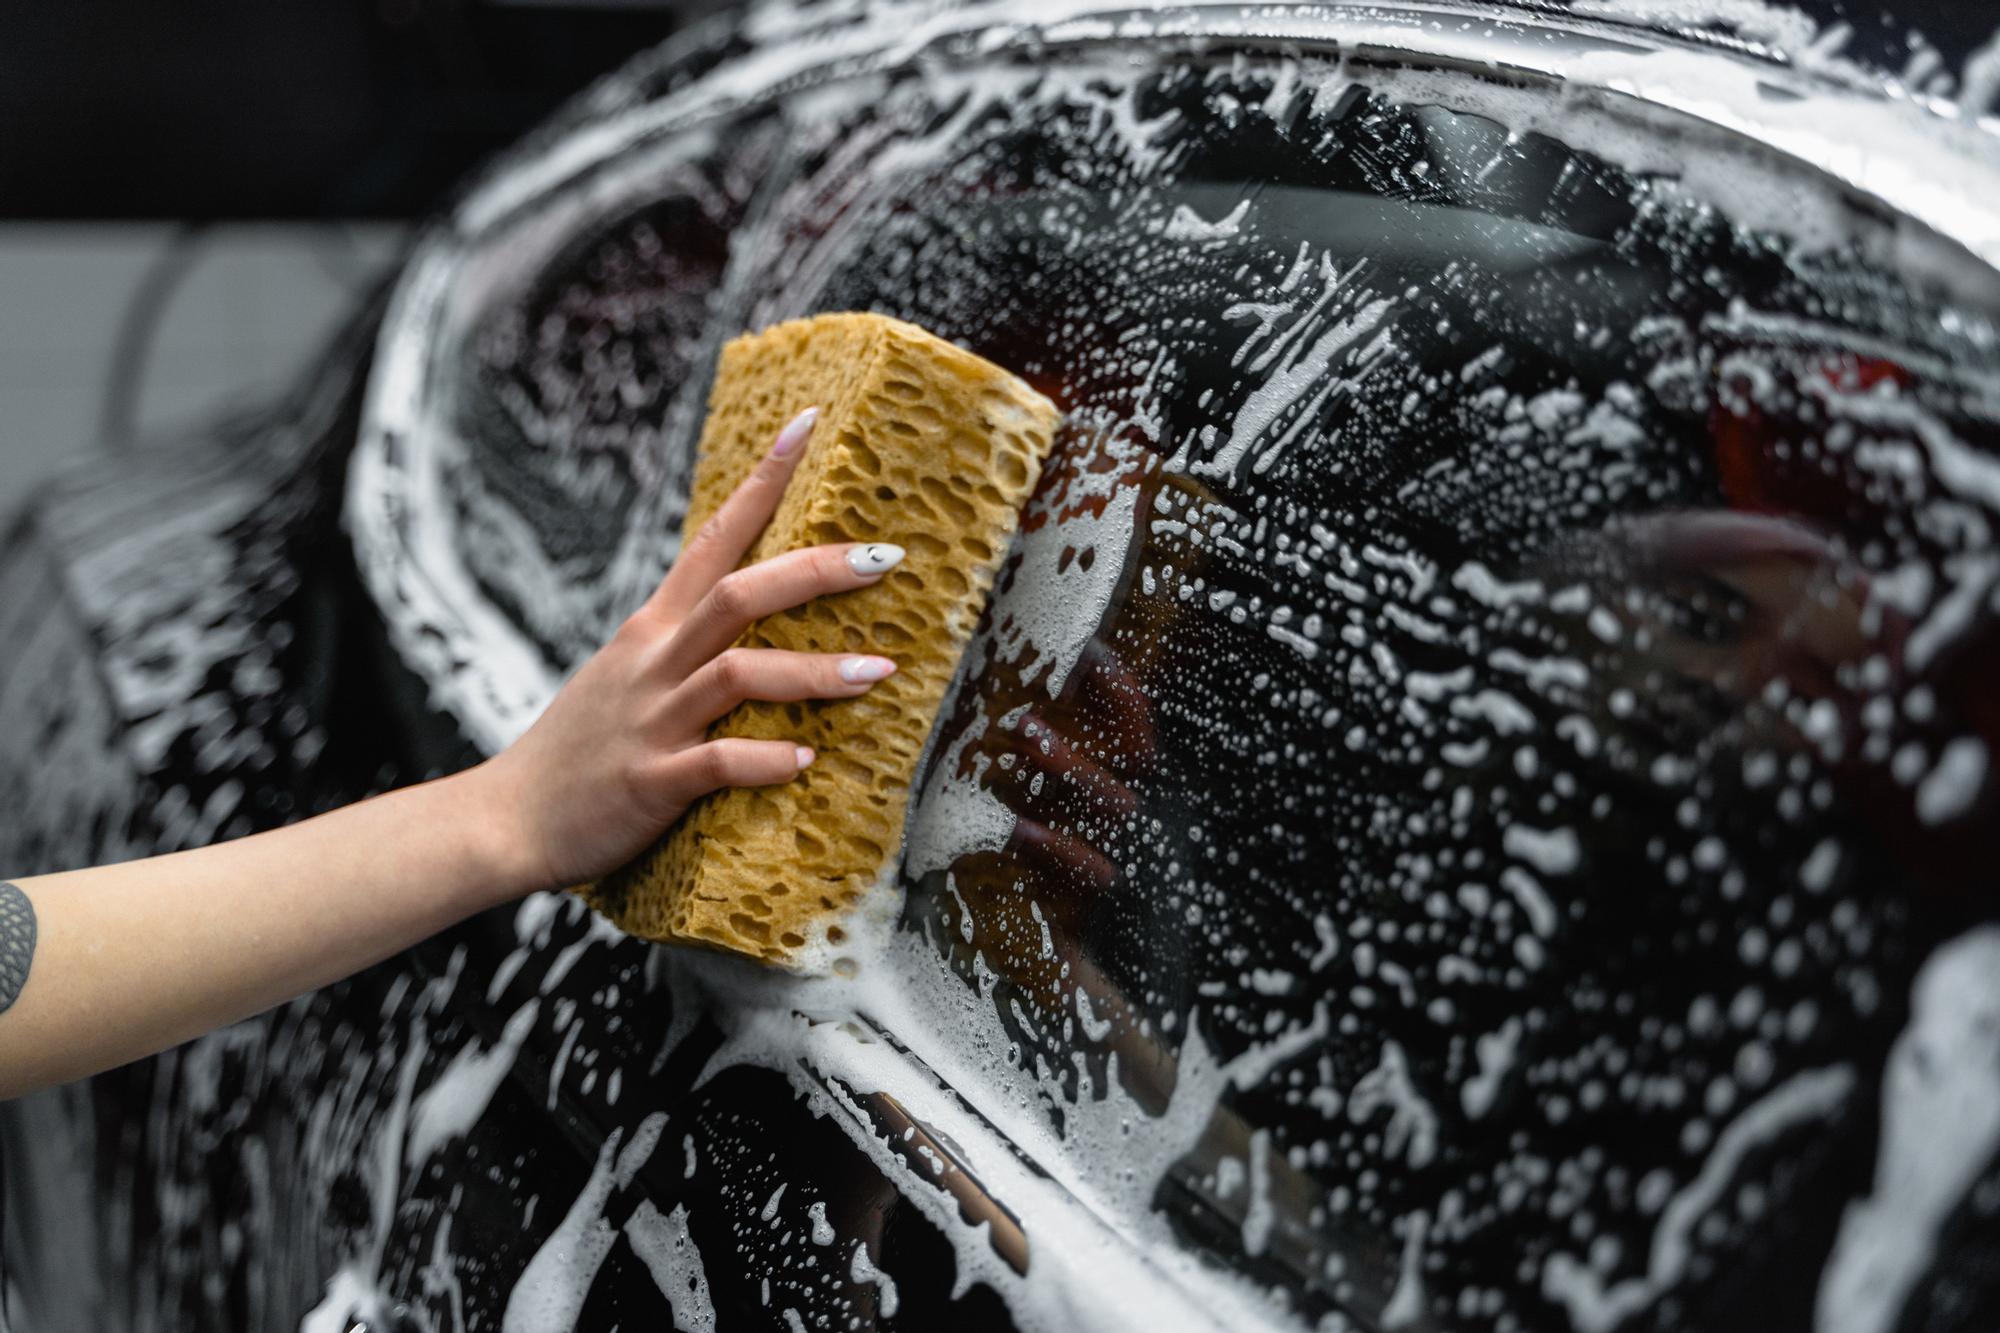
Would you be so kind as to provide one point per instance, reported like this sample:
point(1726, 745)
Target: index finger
point(720, 544)
point(768, 587)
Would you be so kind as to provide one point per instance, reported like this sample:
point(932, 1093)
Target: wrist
point(502, 861)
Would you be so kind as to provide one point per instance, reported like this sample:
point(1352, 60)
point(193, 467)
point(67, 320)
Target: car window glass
point(1487, 695)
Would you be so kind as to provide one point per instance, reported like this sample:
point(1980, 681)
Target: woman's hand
point(113, 962)
point(623, 749)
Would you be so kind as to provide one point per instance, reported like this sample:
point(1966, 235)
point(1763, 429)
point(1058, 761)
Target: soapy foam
point(665, 1246)
point(551, 1291)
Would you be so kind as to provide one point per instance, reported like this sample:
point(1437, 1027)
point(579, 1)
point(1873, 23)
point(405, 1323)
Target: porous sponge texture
point(920, 443)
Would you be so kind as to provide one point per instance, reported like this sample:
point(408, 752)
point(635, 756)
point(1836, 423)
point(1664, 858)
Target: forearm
point(132, 958)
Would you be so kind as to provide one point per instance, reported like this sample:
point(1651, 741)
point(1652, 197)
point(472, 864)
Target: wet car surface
point(1470, 806)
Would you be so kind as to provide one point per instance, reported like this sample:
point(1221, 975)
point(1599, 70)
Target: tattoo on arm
point(17, 942)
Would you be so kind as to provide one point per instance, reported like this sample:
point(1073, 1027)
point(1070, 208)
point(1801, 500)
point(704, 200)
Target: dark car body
point(1471, 806)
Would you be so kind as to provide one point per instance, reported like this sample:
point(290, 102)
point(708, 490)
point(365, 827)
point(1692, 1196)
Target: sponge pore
point(920, 443)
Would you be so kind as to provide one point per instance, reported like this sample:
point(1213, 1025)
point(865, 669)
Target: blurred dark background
point(373, 109)
point(285, 108)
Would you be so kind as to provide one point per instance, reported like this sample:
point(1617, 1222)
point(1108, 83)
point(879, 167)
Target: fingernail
point(857, 670)
point(874, 558)
point(803, 754)
point(794, 434)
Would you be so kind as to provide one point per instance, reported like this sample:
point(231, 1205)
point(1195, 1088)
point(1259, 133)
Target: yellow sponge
point(920, 443)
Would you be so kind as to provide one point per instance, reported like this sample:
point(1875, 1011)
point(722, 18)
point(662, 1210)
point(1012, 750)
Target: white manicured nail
point(794, 434)
point(803, 754)
point(874, 558)
point(859, 670)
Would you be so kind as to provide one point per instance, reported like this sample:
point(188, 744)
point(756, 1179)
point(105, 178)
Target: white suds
point(552, 1289)
point(1940, 1129)
point(863, 1269)
point(455, 1101)
point(1951, 787)
point(670, 1255)
point(1598, 1306)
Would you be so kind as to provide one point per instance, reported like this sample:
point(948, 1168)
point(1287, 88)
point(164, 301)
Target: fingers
point(1051, 780)
point(740, 599)
point(720, 544)
point(1074, 862)
point(687, 775)
point(1116, 701)
point(1049, 751)
point(774, 676)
